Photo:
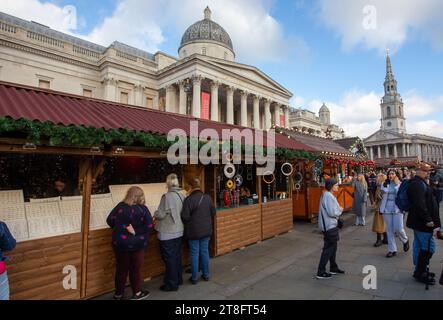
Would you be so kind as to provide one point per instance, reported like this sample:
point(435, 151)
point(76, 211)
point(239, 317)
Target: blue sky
point(318, 49)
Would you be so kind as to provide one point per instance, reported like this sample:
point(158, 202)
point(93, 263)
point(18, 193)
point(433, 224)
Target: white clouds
point(358, 112)
point(59, 18)
point(396, 21)
point(256, 35)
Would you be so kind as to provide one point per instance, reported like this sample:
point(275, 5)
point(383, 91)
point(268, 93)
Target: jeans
point(394, 225)
point(171, 252)
point(199, 251)
point(422, 241)
point(4, 286)
point(128, 262)
point(360, 220)
point(328, 253)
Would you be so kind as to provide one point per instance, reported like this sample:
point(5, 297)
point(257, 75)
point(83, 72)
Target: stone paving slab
point(284, 268)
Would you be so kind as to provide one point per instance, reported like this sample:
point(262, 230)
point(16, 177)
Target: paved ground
point(284, 268)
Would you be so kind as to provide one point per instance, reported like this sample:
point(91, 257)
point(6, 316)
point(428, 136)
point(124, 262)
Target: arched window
point(388, 111)
point(399, 111)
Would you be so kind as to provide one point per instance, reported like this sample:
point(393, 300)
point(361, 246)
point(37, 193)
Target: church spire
point(389, 73)
point(390, 82)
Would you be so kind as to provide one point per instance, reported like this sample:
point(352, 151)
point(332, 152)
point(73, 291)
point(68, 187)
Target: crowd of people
point(393, 194)
point(188, 219)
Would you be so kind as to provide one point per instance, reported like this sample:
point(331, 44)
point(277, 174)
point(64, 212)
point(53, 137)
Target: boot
point(385, 238)
point(378, 243)
point(421, 273)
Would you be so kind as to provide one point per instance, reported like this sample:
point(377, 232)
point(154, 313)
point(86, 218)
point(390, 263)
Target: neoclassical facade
point(392, 141)
point(307, 121)
point(204, 81)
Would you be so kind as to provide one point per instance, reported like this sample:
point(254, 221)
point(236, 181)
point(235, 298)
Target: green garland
point(86, 137)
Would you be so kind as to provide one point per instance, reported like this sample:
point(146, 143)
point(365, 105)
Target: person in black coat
point(197, 214)
point(423, 218)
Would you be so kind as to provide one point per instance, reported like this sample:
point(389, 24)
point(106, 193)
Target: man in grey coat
point(328, 216)
point(170, 228)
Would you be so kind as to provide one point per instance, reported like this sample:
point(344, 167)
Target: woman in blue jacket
point(132, 224)
point(7, 243)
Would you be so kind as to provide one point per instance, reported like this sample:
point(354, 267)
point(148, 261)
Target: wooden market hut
point(102, 148)
point(333, 160)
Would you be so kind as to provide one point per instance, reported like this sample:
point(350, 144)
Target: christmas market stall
point(332, 160)
point(67, 160)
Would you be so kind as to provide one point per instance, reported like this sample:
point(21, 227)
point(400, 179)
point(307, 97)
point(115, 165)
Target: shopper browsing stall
point(197, 215)
point(170, 228)
point(378, 225)
point(360, 199)
point(132, 223)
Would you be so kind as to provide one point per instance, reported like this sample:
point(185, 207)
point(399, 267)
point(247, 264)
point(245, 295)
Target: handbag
point(331, 235)
point(2, 267)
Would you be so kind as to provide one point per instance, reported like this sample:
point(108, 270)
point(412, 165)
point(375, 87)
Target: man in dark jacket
point(423, 218)
point(197, 214)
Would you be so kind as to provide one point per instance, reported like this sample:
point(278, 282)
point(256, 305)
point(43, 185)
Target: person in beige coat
point(378, 225)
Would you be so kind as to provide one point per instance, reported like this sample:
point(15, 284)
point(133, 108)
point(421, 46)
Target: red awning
point(17, 102)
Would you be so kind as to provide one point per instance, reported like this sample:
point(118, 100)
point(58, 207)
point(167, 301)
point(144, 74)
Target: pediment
point(384, 136)
point(251, 73)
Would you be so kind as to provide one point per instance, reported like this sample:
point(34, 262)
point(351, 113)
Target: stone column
point(371, 153)
point(378, 152)
point(170, 98)
point(110, 89)
point(155, 102)
point(214, 100)
point(182, 97)
point(419, 154)
point(230, 105)
point(256, 112)
point(196, 95)
point(244, 109)
point(408, 149)
point(287, 117)
point(395, 151)
point(268, 118)
point(403, 150)
point(277, 114)
point(387, 151)
point(138, 95)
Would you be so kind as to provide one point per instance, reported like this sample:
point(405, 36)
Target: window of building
point(87, 93)
point(389, 124)
point(388, 111)
point(204, 51)
point(44, 84)
point(149, 103)
point(124, 97)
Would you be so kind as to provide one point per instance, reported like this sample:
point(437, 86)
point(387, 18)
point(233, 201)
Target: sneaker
point(165, 288)
point(324, 275)
point(391, 254)
point(193, 281)
point(406, 246)
point(142, 296)
point(118, 297)
point(337, 271)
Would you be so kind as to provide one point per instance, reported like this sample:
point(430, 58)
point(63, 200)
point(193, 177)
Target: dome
point(324, 108)
point(207, 30)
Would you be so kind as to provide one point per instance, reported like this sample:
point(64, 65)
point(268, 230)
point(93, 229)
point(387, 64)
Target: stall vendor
point(61, 188)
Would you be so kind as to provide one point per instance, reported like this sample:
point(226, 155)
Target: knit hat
point(330, 183)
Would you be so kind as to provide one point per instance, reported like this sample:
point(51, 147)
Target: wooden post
point(86, 209)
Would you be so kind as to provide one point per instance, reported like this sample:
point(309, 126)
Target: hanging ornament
point(229, 170)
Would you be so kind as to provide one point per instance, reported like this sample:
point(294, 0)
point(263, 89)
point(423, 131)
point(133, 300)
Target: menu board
point(153, 193)
point(101, 206)
point(45, 226)
point(18, 228)
point(11, 197)
point(12, 211)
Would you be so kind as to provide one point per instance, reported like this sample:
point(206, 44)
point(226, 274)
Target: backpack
point(402, 200)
